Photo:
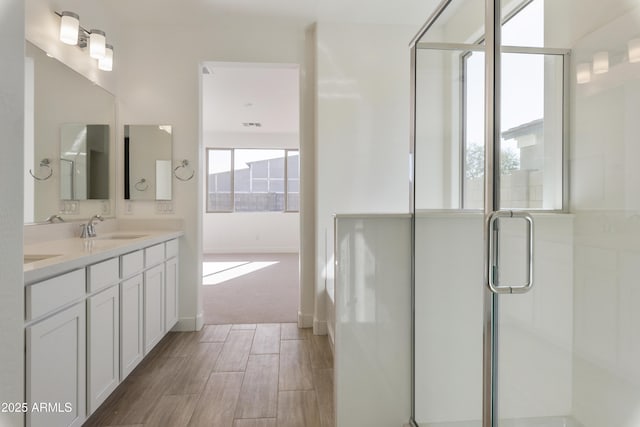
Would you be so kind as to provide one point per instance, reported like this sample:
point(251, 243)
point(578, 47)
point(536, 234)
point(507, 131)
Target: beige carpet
point(250, 288)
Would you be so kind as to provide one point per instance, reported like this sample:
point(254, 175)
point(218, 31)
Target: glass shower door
point(562, 122)
point(567, 351)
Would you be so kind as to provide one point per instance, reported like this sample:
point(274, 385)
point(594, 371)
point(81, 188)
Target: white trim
point(332, 341)
point(189, 324)
point(319, 327)
point(200, 321)
point(305, 320)
point(253, 250)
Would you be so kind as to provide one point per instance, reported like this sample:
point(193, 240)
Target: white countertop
point(76, 252)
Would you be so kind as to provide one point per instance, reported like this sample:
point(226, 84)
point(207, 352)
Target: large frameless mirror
point(84, 162)
point(69, 145)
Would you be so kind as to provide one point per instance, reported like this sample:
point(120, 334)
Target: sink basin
point(33, 258)
point(121, 236)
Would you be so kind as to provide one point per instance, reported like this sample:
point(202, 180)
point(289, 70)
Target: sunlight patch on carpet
point(209, 268)
point(216, 272)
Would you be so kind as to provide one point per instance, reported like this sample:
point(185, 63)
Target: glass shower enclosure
point(526, 225)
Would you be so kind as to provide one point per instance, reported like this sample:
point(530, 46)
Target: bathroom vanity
point(94, 308)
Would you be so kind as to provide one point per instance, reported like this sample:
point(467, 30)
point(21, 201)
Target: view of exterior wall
point(260, 186)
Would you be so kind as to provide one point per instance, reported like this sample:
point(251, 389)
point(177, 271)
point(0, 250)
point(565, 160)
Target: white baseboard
point(319, 327)
point(305, 320)
point(189, 324)
point(253, 250)
point(200, 321)
point(332, 340)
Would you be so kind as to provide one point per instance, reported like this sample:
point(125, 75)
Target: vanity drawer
point(48, 295)
point(154, 255)
point(103, 274)
point(131, 264)
point(172, 248)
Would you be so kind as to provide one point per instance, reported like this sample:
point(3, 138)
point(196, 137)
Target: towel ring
point(44, 163)
point(183, 165)
point(141, 185)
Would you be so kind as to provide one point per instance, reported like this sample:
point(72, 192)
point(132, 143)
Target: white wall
point(12, 70)
point(252, 232)
point(605, 196)
point(308, 182)
point(159, 83)
point(362, 146)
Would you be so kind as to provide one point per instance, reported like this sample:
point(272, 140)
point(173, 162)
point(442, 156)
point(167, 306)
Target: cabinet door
point(131, 325)
point(171, 293)
point(103, 346)
point(153, 306)
point(56, 369)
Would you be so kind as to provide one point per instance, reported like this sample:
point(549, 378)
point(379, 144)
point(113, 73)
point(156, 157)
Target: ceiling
point(234, 94)
point(202, 12)
point(251, 98)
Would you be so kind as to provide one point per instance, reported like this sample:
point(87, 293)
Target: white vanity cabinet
point(103, 346)
point(131, 332)
point(131, 312)
point(88, 328)
point(171, 285)
point(153, 306)
point(103, 331)
point(56, 351)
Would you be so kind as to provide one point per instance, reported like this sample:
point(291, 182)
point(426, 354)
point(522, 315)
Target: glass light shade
point(634, 50)
point(600, 62)
point(106, 63)
point(69, 26)
point(97, 44)
point(583, 73)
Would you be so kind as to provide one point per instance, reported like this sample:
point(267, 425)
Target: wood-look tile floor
point(264, 375)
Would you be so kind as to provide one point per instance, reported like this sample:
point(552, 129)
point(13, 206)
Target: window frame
point(232, 171)
point(565, 55)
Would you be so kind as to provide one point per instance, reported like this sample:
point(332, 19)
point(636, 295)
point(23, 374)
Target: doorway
point(525, 240)
point(251, 192)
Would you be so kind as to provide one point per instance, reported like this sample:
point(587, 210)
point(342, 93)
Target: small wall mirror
point(84, 162)
point(147, 162)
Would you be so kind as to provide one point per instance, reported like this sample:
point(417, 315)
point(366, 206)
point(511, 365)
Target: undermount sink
point(33, 258)
point(121, 236)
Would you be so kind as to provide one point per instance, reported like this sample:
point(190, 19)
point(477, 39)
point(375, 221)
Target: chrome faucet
point(89, 229)
point(53, 218)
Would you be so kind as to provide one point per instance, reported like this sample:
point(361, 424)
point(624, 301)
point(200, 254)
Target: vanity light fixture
point(634, 50)
point(73, 34)
point(69, 28)
point(106, 63)
point(97, 44)
point(600, 63)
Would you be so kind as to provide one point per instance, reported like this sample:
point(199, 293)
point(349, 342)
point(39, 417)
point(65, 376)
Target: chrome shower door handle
point(493, 281)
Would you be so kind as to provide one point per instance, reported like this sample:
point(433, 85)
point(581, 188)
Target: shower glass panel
point(448, 250)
